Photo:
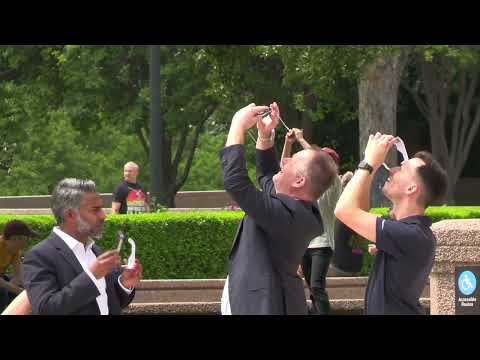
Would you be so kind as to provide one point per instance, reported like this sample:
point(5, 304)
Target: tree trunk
point(185, 150)
point(307, 126)
point(378, 91)
point(439, 78)
point(307, 123)
point(168, 199)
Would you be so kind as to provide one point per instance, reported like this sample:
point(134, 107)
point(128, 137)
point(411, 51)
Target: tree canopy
point(83, 110)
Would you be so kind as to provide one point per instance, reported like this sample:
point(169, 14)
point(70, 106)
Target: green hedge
point(170, 245)
point(193, 245)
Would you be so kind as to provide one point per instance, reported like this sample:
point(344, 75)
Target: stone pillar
point(458, 244)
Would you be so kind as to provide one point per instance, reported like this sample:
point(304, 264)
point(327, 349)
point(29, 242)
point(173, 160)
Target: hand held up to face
point(290, 137)
point(267, 124)
point(298, 134)
point(377, 149)
point(346, 178)
point(105, 263)
point(248, 116)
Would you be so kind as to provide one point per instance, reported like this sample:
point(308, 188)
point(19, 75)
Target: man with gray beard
point(67, 273)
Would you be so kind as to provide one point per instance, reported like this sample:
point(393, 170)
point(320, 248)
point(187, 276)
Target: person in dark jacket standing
point(279, 221)
point(67, 273)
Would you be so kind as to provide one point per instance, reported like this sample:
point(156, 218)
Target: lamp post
point(156, 129)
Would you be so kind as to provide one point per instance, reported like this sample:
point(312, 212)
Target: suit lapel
point(70, 257)
point(96, 250)
point(237, 235)
point(65, 251)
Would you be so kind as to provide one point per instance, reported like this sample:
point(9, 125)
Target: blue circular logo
point(467, 283)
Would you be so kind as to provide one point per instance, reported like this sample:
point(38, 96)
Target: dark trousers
point(6, 297)
point(315, 265)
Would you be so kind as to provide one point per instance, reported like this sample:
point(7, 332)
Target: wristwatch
point(366, 166)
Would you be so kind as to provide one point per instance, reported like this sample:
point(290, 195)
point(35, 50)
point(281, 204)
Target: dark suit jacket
point(56, 283)
point(270, 241)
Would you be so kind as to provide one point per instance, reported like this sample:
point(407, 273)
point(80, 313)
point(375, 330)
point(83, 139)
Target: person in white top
point(67, 273)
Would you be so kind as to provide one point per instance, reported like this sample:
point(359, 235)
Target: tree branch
point(11, 74)
point(180, 147)
point(179, 183)
point(445, 88)
point(429, 85)
point(143, 140)
point(442, 101)
point(437, 124)
point(458, 114)
point(471, 90)
point(466, 122)
point(468, 144)
point(418, 100)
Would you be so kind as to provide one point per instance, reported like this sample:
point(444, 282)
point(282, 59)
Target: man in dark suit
point(67, 273)
point(279, 223)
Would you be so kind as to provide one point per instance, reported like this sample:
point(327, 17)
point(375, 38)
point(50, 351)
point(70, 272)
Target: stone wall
point(458, 244)
point(466, 194)
point(184, 199)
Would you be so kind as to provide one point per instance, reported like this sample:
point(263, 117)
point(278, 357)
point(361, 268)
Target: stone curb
point(213, 308)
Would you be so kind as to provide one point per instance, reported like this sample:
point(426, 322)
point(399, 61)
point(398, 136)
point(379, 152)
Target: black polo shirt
point(406, 250)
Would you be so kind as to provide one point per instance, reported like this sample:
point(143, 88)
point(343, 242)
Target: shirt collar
point(418, 219)
point(70, 241)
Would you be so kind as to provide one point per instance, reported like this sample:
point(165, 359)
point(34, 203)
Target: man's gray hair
point(68, 194)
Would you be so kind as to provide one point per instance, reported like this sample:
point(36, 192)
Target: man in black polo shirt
point(129, 197)
point(405, 243)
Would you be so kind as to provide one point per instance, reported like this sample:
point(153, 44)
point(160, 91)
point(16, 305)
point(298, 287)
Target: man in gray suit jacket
point(67, 274)
point(279, 223)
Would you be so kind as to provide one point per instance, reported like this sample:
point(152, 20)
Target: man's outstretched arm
point(350, 208)
point(260, 205)
point(287, 146)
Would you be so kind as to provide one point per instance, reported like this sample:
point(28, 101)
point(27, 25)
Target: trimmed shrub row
point(192, 245)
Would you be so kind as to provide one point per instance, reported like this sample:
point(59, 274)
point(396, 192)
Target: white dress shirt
point(225, 306)
point(86, 257)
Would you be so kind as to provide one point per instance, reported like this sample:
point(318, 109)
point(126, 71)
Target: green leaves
point(100, 95)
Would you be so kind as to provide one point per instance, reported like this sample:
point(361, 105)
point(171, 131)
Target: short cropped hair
point(131, 163)
point(68, 194)
point(322, 171)
point(433, 177)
